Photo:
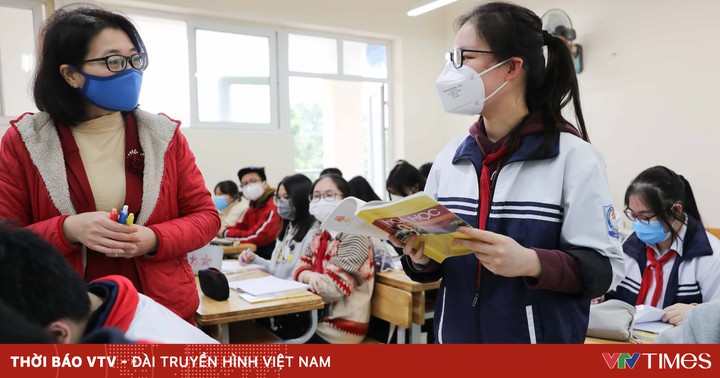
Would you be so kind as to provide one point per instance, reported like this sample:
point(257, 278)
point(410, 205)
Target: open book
point(649, 319)
point(417, 214)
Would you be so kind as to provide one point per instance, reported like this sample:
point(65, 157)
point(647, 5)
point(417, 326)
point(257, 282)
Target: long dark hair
point(362, 189)
point(297, 187)
point(659, 188)
point(65, 39)
point(514, 31)
point(404, 175)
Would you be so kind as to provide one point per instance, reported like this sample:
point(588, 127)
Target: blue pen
point(123, 214)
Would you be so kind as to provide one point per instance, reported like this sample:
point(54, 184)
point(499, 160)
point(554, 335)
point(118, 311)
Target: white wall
point(417, 47)
point(649, 89)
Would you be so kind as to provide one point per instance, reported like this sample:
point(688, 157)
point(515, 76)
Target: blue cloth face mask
point(221, 202)
point(652, 233)
point(118, 92)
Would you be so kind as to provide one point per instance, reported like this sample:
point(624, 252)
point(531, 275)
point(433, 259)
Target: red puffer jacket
point(176, 205)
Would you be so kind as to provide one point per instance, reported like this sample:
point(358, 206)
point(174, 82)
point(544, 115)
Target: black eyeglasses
point(326, 196)
point(644, 216)
point(456, 56)
point(118, 63)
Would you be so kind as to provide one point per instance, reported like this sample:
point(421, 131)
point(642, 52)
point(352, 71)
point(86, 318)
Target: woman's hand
point(246, 257)
point(416, 254)
point(501, 254)
point(221, 232)
point(674, 314)
point(96, 231)
point(147, 244)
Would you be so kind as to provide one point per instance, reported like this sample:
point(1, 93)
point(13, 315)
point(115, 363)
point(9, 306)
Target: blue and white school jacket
point(692, 276)
point(560, 201)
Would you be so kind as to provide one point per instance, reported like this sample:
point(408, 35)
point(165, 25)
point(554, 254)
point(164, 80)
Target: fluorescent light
point(428, 7)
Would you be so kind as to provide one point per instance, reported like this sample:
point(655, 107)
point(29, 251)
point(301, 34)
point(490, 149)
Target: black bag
point(214, 284)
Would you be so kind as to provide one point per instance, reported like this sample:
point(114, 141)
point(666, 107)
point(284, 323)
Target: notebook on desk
point(268, 288)
point(649, 319)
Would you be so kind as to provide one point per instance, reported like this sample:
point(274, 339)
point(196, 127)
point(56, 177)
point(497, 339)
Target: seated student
point(339, 268)
point(292, 203)
point(261, 223)
point(15, 329)
point(701, 325)
point(361, 188)
point(331, 171)
point(229, 203)
point(671, 262)
point(403, 180)
point(425, 169)
point(38, 283)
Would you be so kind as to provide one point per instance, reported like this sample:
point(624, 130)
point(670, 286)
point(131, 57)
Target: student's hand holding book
point(416, 254)
point(501, 254)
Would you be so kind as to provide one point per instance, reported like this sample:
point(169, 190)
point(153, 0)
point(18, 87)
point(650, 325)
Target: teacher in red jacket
point(91, 149)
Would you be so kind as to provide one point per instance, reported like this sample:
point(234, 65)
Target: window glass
point(365, 59)
point(312, 54)
point(17, 61)
point(233, 77)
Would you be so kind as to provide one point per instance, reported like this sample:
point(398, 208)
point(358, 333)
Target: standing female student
point(339, 268)
point(671, 261)
point(91, 149)
point(536, 190)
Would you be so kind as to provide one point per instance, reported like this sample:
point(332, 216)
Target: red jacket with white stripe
point(176, 205)
point(260, 224)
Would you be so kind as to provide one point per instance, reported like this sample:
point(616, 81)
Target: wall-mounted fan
point(558, 23)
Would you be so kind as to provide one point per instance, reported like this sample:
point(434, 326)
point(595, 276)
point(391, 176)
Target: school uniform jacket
point(176, 205)
point(137, 316)
point(694, 274)
point(560, 201)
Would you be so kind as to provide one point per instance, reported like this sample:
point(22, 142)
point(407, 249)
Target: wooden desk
point(238, 248)
point(216, 315)
point(421, 309)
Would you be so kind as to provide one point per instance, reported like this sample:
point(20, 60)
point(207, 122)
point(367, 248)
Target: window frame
point(37, 7)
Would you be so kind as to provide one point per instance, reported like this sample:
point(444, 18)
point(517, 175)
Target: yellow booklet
point(417, 214)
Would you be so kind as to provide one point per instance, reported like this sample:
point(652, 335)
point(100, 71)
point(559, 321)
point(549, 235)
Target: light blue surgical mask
point(118, 92)
point(221, 202)
point(652, 233)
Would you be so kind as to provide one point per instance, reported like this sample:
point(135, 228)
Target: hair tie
point(547, 37)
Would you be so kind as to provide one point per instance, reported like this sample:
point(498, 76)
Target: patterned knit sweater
point(349, 279)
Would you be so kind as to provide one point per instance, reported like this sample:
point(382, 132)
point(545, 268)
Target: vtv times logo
point(658, 360)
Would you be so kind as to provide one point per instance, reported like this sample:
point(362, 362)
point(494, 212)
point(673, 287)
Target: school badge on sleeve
point(611, 221)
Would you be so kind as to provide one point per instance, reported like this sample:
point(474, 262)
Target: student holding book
point(339, 268)
point(546, 240)
point(671, 261)
point(91, 149)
